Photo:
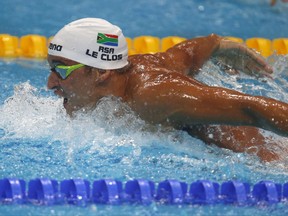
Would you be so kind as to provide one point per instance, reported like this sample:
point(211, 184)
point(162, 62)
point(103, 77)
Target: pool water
point(161, 18)
point(38, 140)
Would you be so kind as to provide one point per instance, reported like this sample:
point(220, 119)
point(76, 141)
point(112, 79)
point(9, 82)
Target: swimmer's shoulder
point(160, 61)
point(155, 59)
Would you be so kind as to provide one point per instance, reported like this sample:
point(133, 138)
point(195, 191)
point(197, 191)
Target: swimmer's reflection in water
point(160, 87)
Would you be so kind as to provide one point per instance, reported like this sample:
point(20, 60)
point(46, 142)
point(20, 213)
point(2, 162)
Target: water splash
point(35, 129)
point(27, 114)
point(275, 87)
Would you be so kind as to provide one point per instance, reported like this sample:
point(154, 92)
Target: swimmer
point(273, 2)
point(89, 60)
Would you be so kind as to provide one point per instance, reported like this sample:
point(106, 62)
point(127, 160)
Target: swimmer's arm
point(190, 55)
point(239, 139)
point(239, 57)
point(182, 104)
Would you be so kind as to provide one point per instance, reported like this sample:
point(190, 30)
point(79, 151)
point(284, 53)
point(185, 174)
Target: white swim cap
point(93, 42)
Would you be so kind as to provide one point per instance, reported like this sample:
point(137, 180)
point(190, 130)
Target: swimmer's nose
point(53, 81)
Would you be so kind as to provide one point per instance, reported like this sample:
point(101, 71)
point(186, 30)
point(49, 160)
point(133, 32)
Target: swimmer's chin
point(67, 106)
point(73, 110)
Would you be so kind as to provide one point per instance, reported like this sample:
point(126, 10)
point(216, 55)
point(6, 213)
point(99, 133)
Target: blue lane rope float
point(45, 191)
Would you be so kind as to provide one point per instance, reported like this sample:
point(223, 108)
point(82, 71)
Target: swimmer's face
point(78, 89)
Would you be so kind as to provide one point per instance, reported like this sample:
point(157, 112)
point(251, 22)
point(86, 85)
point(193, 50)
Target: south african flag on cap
point(107, 39)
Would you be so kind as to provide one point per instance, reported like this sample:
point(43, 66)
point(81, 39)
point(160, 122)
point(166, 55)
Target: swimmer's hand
point(237, 57)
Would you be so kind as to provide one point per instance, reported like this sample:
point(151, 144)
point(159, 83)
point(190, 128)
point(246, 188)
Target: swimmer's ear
point(103, 75)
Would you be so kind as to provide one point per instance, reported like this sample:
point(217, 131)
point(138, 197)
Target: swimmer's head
point(93, 42)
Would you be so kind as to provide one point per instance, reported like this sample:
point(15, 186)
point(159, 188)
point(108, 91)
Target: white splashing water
point(30, 116)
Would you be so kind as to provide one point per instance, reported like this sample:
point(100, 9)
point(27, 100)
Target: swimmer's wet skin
point(160, 87)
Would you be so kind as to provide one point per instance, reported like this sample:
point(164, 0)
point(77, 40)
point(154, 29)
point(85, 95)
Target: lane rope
point(35, 46)
point(46, 191)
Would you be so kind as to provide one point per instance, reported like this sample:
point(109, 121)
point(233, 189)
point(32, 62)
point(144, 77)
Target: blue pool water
point(185, 18)
point(37, 139)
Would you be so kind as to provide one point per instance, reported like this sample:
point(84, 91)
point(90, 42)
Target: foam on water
point(275, 87)
point(102, 134)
